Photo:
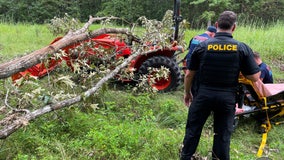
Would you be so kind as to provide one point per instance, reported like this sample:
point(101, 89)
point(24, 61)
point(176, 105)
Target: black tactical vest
point(220, 63)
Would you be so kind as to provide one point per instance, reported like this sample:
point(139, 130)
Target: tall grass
point(126, 126)
point(18, 39)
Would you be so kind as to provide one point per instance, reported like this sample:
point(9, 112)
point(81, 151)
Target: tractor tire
point(163, 85)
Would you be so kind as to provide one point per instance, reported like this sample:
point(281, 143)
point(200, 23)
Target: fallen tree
point(15, 121)
point(20, 64)
point(16, 118)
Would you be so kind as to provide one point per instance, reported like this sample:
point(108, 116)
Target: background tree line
point(197, 12)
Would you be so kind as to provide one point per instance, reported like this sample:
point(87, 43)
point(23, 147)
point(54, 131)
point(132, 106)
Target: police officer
point(219, 61)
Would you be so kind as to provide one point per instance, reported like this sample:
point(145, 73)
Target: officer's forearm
point(188, 81)
point(253, 77)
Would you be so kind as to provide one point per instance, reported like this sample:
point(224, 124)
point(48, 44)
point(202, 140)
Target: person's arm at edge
point(251, 69)
point(253, 77)
point(187, 86)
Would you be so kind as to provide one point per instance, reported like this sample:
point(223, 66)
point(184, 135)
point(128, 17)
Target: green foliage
point(88, 8)
point(124, 129)
point(37, 11)
point(116, 8)
point(115, 124)
point(133, 140)
point(167, 114)
point(197, 12)
point(268, 10)
point(131, 10)
point(201, 12)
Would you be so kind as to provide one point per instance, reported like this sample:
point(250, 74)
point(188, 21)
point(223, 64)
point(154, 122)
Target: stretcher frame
point(265, 98)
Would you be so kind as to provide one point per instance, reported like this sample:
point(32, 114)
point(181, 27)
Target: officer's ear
point(216, 24)
point(234, 27)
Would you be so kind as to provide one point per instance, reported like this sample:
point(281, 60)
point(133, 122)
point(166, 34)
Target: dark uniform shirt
point(266, 73)
point(219, 61)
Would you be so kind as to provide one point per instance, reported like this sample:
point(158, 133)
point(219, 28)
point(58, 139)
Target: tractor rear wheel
point(163, 84)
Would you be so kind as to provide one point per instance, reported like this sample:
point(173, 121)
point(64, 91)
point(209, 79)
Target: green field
point(127, 126)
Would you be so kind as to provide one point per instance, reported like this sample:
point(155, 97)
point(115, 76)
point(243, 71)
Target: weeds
point(116, 124)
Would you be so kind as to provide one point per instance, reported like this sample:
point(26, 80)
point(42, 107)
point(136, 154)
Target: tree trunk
point(20, 64)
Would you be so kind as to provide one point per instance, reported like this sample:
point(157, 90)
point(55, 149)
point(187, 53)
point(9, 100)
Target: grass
point(131, 127)
point(22, 38)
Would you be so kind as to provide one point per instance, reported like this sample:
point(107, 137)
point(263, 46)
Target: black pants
point(222, 104)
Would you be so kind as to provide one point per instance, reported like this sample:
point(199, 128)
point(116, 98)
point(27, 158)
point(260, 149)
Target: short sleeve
point(248, 64)
point(195, 57)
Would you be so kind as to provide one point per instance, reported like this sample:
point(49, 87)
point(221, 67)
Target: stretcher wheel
point(262, 129)
point(236, 122)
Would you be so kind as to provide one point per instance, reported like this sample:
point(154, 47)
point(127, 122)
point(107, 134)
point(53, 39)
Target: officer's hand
point(187, 99)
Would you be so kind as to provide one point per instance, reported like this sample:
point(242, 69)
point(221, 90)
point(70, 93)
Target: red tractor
point(162, 57)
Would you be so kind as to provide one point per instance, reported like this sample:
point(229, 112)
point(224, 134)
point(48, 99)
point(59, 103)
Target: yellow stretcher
point(259, 97)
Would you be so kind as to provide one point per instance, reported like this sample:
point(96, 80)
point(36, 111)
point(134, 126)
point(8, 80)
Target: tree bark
point(20, 64)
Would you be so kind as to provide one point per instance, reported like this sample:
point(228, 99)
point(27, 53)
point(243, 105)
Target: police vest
point(220, 64)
